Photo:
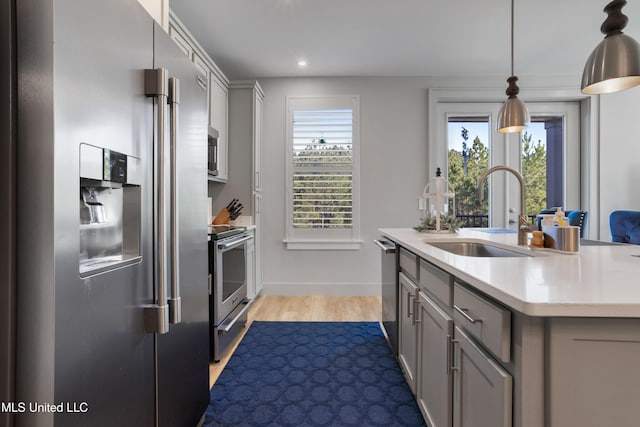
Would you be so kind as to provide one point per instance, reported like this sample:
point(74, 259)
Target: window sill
point(345, 245)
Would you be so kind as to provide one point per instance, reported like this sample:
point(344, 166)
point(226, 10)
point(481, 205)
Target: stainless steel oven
point(228, 302)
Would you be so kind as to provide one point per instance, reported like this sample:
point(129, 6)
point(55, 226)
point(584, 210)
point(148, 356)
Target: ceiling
point(266, 38)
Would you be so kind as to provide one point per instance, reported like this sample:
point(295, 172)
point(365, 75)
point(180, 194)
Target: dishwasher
point(389, 291)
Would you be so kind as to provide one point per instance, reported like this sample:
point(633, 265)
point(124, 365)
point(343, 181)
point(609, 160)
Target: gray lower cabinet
point(594, 374)
point(434, 379)
point(407, 324)
point(451, 339)
point(482, 389)
point(506, 369)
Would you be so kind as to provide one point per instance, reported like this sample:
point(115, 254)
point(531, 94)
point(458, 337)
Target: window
point(322, 172)
point(467, 159)
point(468, 154)
point(547, 153)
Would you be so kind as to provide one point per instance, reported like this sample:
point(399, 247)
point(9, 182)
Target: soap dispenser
point(559, 219)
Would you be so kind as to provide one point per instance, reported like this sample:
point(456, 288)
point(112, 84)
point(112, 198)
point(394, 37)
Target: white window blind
point(322, 179)
point(322, 163)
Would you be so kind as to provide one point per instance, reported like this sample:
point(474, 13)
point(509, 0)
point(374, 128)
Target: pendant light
point(513, 115)
point(615, 63)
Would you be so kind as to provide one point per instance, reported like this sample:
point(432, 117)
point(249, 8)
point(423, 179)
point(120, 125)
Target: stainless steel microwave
point(212, 163)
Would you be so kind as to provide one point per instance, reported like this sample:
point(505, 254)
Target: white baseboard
point(327, 289)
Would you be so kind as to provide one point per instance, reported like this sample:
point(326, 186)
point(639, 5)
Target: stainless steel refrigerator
point(111, 290)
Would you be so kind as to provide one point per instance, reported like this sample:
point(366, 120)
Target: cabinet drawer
point(486, 321)
point(437, 282)
point(409, 264)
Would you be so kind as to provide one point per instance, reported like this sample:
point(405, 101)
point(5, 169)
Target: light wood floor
point(304, 309)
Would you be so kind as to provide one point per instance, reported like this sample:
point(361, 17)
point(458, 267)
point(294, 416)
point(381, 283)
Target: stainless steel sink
point(477, 249)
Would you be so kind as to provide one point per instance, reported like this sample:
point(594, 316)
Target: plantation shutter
point(322, 163)
point(322, 197)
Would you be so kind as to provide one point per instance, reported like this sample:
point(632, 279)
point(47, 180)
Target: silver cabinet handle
point(465, 313)
point(175, 301)
point(416, 310)
point(449, 353)
point(409, 305)
point(453, 350)
point(157, 316)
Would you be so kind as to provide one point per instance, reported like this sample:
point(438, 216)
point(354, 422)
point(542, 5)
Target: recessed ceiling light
point(302, 63)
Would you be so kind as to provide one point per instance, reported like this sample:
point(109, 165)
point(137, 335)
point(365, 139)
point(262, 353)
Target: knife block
point(222, 217)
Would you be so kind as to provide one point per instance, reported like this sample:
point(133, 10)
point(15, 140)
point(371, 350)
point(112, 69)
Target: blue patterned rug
point(312, 374)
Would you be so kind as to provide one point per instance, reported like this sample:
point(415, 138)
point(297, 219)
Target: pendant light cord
point(512, 37)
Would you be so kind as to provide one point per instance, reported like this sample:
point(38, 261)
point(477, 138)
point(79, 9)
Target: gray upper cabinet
point(482, 388)
point(245, 100)
point(181, 41)
point(257, 138)
point(219, 120)
point(214, 82)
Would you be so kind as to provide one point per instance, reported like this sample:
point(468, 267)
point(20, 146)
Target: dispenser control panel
point(114, 166)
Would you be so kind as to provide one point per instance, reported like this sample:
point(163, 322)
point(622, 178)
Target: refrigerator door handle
point(175, 301)
point(157, 315)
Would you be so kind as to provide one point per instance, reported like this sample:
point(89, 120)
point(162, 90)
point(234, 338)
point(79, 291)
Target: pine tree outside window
point(322, 172)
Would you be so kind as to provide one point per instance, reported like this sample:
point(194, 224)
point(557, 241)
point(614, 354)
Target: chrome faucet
point(523, 225)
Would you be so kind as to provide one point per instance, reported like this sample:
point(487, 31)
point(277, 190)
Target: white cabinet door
point(434, 379)
point(407, 346)
point(482, 388)
point(251, 268)
point(257, 141)
point(181, 41)
point(219, 119)
point(203, 75)
point(257, 212)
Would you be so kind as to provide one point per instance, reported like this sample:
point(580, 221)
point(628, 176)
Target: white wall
point(393, 131)
point(394, 163)
point(619, 155)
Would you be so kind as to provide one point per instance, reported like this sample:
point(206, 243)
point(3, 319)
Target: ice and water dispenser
point(110, 209)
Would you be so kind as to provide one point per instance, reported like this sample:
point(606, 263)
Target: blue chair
point(577, 217)
point(625, 226)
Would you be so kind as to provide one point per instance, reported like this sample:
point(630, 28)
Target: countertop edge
point(526, 307)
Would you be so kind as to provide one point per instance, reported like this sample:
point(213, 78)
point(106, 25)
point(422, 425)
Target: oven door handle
point(229, 325)
point(233, 244)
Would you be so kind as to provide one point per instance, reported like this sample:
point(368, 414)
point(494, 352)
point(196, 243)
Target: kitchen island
point(544, 339)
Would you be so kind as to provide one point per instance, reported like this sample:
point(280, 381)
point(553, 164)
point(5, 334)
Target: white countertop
point(598, 281)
